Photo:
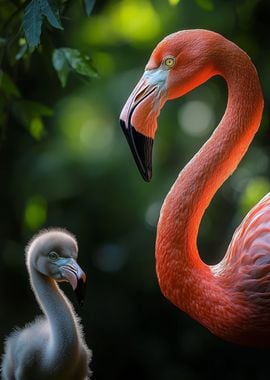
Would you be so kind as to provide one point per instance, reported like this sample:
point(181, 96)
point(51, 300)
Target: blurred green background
point(74, 169)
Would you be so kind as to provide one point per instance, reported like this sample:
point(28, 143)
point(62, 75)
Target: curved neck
point(63, 335)
point(181, 272)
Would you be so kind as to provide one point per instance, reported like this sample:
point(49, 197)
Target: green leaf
point(50, 10)
point(67, 59)
point(32, 22)
point(61, 65)
point(36, 128)
point(89, 5)
point(80, 63)
point(7, 86)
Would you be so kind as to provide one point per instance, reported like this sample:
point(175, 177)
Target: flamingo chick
point(53, 346)
point(232, 298)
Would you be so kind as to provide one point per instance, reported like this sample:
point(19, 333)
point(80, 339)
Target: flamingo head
point(54, 253)
point(179, 63)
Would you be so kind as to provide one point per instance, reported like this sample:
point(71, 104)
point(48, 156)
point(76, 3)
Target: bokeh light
point(196, 118)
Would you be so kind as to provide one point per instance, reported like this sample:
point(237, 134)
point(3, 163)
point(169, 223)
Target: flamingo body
point(232, 298)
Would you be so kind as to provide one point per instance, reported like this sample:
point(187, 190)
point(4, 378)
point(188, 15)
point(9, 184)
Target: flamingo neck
point(63, 346)
point(183, 277)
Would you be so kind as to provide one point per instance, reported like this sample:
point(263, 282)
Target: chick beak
point(73, 273)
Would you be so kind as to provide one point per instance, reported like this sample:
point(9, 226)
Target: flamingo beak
point(73, 273)
point(138, 119)
point(141, 147)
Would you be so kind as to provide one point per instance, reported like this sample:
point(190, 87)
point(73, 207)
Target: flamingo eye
point(53, 256)
point(169, 62)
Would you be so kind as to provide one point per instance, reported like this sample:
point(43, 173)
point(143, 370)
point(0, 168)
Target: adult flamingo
point(232, 298)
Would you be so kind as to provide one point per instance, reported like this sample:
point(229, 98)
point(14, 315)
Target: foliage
point(67, 59)
point(22, 24)
point(33, 19)
point(89, 5)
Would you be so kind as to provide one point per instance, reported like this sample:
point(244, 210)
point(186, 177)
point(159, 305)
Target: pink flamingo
point(232, 298)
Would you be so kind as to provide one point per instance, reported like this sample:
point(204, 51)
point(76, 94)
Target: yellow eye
point(169, 62)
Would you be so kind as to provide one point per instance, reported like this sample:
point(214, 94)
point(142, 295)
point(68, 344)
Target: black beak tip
point(80, 291)
point(141, 147)
point(147, 175)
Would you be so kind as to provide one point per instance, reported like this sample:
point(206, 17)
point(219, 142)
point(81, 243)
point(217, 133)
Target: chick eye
point(169, 62)
point(53, 255)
